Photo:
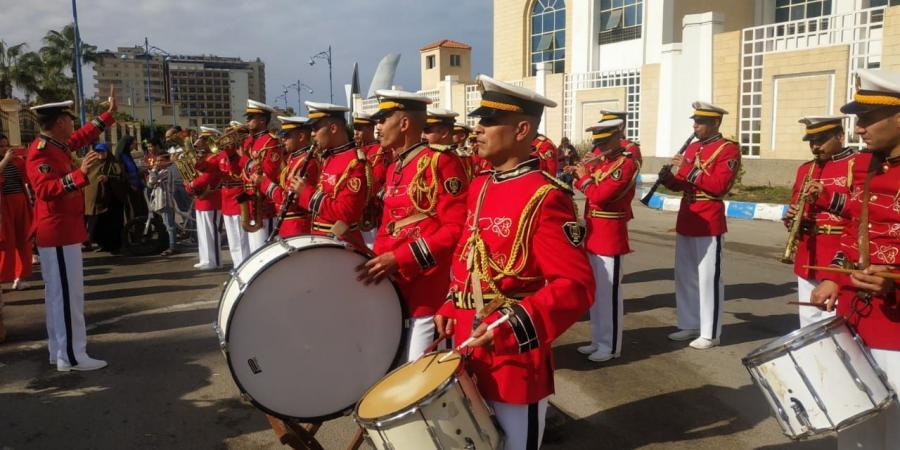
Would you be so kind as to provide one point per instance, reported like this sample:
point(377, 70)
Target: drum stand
point(301, 436)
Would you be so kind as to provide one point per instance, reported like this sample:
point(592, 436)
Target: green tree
point(41, 80)
point(59, 49)
point(9, 55)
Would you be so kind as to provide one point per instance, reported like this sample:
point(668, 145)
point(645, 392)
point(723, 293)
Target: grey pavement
point(168, 386)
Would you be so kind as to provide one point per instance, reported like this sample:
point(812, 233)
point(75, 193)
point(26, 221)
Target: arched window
point(548, 34)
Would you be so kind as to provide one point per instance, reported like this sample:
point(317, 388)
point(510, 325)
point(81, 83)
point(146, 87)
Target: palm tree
point(38, 78)
point(9, 55)
point(59, 49)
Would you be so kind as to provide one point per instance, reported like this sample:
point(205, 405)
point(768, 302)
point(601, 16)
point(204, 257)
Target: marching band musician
point(871, 244)
point(228, 160)
point(438, 130)
point(819, 238)
point(424, 211)
point(59, 225)
point(521, 250)
point(544, 149)
point(704, 174)
point(378, 159)
point(297, 142)
point(460, 142)
point(261, 154)
point(628, 145)
point(208, 200)
point(337, 200)
point(608, 182)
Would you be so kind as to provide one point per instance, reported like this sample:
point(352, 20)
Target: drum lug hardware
point(287, 247)
point(800, 413)
point(470, 444)
point(246, 397)
point(845, 359)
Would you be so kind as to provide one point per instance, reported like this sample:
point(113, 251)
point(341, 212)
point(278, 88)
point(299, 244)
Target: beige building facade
point(768, 62)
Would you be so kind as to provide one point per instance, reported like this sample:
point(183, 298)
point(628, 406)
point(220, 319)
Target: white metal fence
point(861, 30)
point(630, 79)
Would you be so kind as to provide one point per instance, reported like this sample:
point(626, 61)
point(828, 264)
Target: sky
point(283, 33)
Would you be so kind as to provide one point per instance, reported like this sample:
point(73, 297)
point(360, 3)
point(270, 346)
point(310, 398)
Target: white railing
point(630, 79)
point(434, 95)
point(861, 30)
point(370, 105)
point(473, 99)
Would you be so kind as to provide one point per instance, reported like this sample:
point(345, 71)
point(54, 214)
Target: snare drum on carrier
point(819, 378)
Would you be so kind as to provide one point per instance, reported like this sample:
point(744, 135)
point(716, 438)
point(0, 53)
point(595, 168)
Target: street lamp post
point(299, 86)
point(326, 55)
point(147, 56)
point(78, 79)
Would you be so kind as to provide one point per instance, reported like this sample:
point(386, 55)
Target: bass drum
point(303, 338)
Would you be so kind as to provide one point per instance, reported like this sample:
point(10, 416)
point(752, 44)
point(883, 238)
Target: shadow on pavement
point(156, 393)
point(687, 415)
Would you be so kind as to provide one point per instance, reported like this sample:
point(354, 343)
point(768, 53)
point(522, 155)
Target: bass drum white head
point(304, 339)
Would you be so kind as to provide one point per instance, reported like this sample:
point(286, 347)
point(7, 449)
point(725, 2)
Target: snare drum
point(426, 404)
point(819, 378)
point(303, 338)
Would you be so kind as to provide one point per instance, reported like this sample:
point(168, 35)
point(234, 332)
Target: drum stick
point(472, 338)
point(434, 345)
point(888, 275)
point(807, 304)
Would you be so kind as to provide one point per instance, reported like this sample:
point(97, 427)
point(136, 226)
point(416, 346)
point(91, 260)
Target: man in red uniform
point(629, 146)
point(704, 174)
point(544, 149)
point(871, 244)
point(15, 218)
point(59, 226)
point(299, 161)
point(208, 200)
point(820, 232)
point(520, 254)
point(607, 180)
point(378, 158)
point(424, 210)
point(439, 128)
point(340, 195)
point(228, 160)
point(261, 154)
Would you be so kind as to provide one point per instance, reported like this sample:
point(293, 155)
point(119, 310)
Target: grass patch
point(754, 194)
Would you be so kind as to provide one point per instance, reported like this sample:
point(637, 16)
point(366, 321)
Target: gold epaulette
point(557, 183)
point(440, 147)
point(42, 143)
point(273, 133)
point(361, 154)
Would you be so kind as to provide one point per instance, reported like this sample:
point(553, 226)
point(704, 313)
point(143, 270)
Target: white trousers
point(258, 238)
point(208, 237)
point(61, 268)
point(238, 244)
point(881, 432)
point(699, 289)
point(606, 312)
point(809, 314)
point(522, 424)
point(420, 335)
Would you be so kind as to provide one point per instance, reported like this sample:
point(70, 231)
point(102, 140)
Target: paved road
point(168, 387)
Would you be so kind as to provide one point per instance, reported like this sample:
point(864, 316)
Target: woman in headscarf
point(108, 206)
point(136, 204)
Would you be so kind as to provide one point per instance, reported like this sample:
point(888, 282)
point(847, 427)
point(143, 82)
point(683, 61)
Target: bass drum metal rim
point(325, 417)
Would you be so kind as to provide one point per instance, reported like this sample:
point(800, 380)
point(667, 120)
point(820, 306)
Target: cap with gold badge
point(498, 97)
point(362, 118)
point(441, 116)
point(874, 89)
point(390, 100)
point(603, 130)
point(704, 110)
point(52, 110)
point(821, 125)
point(319, 111)
point(255, 107)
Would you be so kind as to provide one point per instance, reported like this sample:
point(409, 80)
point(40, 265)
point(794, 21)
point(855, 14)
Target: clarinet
point(282, 213)
point(664, 169)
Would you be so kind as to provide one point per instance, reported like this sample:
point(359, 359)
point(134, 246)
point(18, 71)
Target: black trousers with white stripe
point(61, 268)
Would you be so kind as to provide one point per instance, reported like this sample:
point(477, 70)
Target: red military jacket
point(878, 323)
point(341, 193)
point(262, 154)
point(379, 159)
point(59, 203)
point(632, 148)
point(820, 236)
point(297, 221)
point(207, 183)
point(527, 245)
point(424, 210)
point(232, 186)
point(609, 189)
point(705, 177)
point(543, 149)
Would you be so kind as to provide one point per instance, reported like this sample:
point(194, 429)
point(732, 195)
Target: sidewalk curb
point(733, 209)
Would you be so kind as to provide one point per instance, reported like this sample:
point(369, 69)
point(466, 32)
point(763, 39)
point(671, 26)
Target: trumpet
point(233, 138)
point(796, 224)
